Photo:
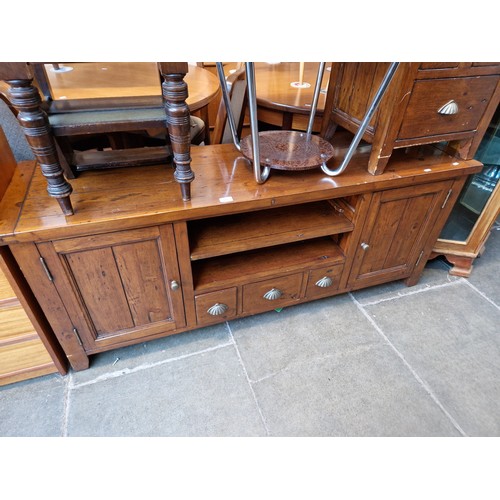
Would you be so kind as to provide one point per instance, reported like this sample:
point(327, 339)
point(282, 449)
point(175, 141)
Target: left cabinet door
point(118, 287)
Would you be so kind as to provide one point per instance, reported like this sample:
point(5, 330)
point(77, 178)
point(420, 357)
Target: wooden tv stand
point(136, 263)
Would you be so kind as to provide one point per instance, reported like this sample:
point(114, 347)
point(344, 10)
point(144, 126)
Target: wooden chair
point(25, 99)
point(238, 94)
point(100, 133)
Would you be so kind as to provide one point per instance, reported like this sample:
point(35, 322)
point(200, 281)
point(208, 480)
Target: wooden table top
point(126, 79)
point(272, 81)
point(104, 200)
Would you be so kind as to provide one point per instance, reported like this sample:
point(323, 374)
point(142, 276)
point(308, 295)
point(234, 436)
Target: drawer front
point(322, 282)
point(423, 117)
point(216, 306)
point(271, 294)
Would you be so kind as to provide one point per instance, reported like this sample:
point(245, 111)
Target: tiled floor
point(384, 361)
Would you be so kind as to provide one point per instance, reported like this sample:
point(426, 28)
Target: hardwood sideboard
point(135, 262)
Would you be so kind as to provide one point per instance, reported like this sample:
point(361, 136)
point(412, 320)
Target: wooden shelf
point(220, 272)
point(242, 232)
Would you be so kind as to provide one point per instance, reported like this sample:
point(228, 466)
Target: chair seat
point(117, 120)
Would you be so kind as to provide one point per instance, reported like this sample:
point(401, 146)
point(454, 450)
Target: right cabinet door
point(395, 232)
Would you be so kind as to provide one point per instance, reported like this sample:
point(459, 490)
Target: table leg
point(26, 100)
point(175, 94)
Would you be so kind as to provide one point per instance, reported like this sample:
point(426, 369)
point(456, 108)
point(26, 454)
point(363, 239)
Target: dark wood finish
point(27, 102)
point(408, 113)
point(56, 160)
point(112, 264)
point(175, 94)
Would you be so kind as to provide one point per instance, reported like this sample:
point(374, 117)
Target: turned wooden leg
point(26, 100)
point(175, 93)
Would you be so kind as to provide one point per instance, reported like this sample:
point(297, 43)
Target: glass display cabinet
point(464, 236)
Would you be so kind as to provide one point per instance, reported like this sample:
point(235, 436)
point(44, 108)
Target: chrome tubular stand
point(323, 150)
point(260, 177)
point(314, 104)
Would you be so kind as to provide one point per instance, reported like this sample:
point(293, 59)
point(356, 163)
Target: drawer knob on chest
point(365, 246)
point(450, 108)
point(273, 294)
point(217, 309)
point(174, 285)
point(324, 282)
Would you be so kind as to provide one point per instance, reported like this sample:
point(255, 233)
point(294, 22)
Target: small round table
point(125, 79)
point(286, 106)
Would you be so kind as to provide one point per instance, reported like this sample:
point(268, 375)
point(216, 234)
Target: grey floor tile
point(201, 395)
point(435, 273)
point(486, 269)
point(33, 408)
point(153, 351)
point(271, 341)
point(451, 338)
point(364, 392)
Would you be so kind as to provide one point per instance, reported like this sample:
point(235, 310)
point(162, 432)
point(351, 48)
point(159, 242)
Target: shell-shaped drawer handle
point(324, 282)
point(450, 108)
point(217, 309)
point(273, 294)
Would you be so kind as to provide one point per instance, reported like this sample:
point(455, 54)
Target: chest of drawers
point(425, 103)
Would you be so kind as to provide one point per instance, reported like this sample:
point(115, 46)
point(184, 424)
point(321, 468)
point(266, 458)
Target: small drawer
point(425, 115)
point(271, 294)
point(214, 307)
point(324, 281)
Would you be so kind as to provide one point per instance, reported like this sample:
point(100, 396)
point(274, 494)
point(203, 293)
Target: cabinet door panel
point(116, 286)
point(98, 281)
point(395, 233)
point(140, 270)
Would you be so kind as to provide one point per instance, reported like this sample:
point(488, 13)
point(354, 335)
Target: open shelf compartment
point(265, 228)
point(220, 272)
